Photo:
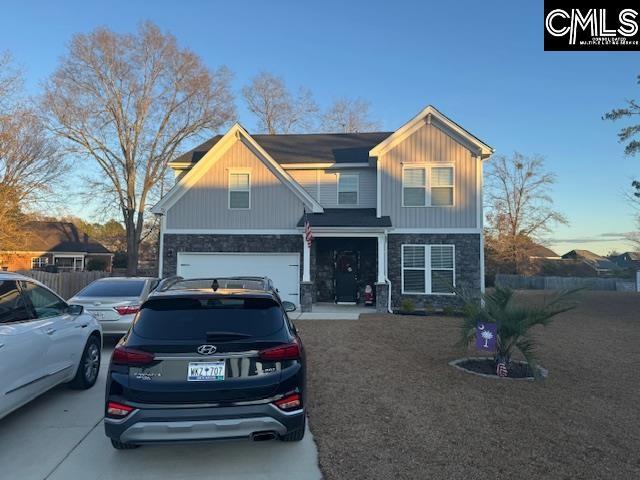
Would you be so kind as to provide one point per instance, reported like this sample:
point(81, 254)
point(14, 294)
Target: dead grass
point(384, 403)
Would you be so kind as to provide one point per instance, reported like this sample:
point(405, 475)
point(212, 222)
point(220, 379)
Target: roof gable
point(221, 145)
point(431, 115)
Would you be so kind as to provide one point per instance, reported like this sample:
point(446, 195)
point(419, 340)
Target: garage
point(282, 268)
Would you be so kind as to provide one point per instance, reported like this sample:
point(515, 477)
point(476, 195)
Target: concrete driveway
point(60, 436)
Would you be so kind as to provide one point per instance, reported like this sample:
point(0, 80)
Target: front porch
point(332, 311)
point(339, 267)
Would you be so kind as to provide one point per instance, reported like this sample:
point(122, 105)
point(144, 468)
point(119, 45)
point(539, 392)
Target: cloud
point(601, 237)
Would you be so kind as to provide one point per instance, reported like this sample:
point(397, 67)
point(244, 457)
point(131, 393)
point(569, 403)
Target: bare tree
point(129, 102)
point(277, 110)
point(30, 164)
point(520, 206)
point(348, 116)
point(630, 136)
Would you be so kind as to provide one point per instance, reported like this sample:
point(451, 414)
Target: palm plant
point(514, 322)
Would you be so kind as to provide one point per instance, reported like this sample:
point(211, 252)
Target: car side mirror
point(75, 309)
point(288, 306)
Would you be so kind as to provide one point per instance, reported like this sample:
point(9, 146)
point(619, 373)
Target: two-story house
point(400, 211)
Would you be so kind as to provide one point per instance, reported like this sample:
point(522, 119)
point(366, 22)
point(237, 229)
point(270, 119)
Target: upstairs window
point(414, 187)
point(441, 186)
point(427, 186)
point(348, 186)
point(239, 190)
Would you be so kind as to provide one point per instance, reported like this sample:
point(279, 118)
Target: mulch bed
point(487, 366)
point(384, 403)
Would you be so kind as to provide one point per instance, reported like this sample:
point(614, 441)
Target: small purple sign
point(486, 334)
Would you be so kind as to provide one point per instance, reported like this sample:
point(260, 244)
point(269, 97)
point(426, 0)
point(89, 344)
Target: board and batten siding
point(205, 204)
point(323, 186)
point(430, 145)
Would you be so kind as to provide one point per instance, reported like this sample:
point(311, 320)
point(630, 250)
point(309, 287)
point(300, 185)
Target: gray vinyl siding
point(205, 205)
point(430, 145)
point(323, 186)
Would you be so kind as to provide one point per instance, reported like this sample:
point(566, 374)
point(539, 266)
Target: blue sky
point(481, 63)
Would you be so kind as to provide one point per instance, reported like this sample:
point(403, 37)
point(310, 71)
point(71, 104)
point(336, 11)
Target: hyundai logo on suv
point(207, 349)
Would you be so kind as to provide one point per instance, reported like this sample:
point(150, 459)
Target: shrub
point(514, 322)
point(449, 311)
point(407, 306)
point(96, 264)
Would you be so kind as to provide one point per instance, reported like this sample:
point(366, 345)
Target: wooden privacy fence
point(522, 282)
point(65, 284)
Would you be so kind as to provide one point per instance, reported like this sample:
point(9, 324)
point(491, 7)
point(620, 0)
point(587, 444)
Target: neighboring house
point(540, 252)
point(58, 244)
point(597, 263)
point(627, 260)
point(401, 211)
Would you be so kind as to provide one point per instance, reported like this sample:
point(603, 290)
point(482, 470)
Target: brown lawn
point(384, 403)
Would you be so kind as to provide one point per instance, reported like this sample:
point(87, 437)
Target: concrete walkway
point(60, 436)
point(331, 311)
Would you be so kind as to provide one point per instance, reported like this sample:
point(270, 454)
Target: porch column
point(382, 261)
point(306, 260)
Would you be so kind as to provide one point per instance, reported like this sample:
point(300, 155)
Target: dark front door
point(346, 276)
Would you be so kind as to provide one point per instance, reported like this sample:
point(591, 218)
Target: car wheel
point(122, 446)
point(89, 367)
point(296, 435)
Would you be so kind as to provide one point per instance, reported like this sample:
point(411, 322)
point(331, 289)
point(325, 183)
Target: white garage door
point(282, 268)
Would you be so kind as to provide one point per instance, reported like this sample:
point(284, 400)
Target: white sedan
point(43, 342)
point(114, 301)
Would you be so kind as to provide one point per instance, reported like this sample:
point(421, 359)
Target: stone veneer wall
point(227, 243)
point(467, 263)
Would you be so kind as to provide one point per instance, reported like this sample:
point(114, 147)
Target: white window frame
point(229, 189)
point(75, 258)
point(452, 186)
point(427, 268)
point(416, 166)
point(40, 264)
point(427, 196)
point(339, 176)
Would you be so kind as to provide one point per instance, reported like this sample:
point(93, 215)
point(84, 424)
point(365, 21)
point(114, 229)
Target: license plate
point(205, 371)
point(97, 315)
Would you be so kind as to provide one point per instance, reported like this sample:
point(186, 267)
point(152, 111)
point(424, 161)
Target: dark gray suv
point(207, 359)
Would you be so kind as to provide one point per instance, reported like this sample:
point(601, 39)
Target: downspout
point(386, 268)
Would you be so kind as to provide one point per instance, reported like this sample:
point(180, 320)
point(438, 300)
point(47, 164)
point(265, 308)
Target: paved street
point(60, 436)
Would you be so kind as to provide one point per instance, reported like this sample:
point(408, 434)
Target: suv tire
point(296, 435)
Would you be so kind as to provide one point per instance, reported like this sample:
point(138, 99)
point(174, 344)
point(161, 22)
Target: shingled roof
point(346, 217)
point(304, 148)
point(59, 237)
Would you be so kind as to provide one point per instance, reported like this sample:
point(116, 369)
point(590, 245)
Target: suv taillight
point(290, 351)
point(127, 309)
point(128, 356)
point(290, 402)
point(118, 410)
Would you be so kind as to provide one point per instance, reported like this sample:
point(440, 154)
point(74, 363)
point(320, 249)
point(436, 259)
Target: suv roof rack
point(258, 283)
point(166, 283)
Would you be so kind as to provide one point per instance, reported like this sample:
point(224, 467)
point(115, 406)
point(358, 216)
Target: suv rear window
point(113, 288)
point(198, 318)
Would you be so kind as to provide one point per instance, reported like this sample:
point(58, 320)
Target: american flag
point(501, 369)
point(307, 230)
